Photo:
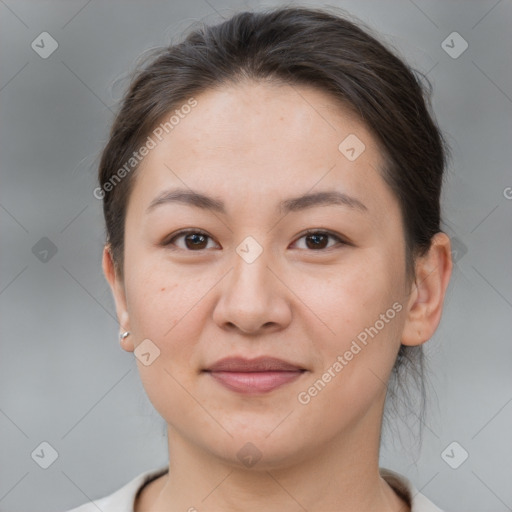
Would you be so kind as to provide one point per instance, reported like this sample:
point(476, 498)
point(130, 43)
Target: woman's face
point(255, 284)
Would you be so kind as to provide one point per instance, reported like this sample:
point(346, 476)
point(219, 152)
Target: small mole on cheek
point(163, 289)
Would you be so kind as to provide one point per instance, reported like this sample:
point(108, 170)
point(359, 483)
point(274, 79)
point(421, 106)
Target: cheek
point(165, 311)
point(359, 317)
point(356, 358)
point(349, 299)
point(160, 297)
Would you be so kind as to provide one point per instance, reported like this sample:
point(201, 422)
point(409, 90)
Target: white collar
point(123, 499)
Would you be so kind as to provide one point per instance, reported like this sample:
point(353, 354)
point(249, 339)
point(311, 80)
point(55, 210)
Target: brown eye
point(318, 240)
point(194, 240)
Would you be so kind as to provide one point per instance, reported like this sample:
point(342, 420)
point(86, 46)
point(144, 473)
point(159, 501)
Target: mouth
point(254, 376)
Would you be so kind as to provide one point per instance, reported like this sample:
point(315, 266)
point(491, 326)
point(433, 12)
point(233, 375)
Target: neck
point(341, 474)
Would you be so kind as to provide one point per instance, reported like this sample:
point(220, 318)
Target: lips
point(254, 376)
point(260, 364)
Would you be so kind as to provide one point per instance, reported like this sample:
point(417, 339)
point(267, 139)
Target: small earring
point(124, 335)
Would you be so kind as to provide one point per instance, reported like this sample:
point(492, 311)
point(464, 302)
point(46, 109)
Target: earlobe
point(433, 271)
point(117, 287)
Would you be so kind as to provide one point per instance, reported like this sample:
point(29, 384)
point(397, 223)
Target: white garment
point(123, 499)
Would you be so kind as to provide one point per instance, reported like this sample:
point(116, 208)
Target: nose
point(253, 298)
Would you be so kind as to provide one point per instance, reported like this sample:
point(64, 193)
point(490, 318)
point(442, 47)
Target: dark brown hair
point(296, 46)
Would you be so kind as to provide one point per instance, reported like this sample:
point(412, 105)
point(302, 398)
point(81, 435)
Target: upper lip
point(259, 364)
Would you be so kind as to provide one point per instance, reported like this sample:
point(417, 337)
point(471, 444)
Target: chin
point(255, 450)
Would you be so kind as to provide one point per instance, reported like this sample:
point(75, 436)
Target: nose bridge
point(250, 265)
point(250, 296)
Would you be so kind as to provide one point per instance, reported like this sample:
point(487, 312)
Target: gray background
point(63, 377)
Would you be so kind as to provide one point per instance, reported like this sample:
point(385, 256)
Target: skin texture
point(253, 145)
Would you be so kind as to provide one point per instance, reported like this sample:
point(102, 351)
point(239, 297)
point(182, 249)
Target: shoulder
point(405, 489)
point(123, 499)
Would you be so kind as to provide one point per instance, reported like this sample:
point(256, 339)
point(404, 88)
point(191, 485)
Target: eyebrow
point(199, 200)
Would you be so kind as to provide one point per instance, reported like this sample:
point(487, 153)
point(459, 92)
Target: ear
point(433, 271)
point(118, 291)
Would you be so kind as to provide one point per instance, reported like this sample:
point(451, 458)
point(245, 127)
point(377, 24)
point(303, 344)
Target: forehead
point(256, 116)
point(269, 140)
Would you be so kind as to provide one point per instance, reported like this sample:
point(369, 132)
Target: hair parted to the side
point(296, 46)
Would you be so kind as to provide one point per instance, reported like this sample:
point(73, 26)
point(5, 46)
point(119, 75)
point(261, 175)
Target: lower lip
point(254, 382)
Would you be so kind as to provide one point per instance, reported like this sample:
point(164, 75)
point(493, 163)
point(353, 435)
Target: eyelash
point(308, 232)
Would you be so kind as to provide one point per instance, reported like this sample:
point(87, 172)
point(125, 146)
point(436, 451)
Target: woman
point(271, 193)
